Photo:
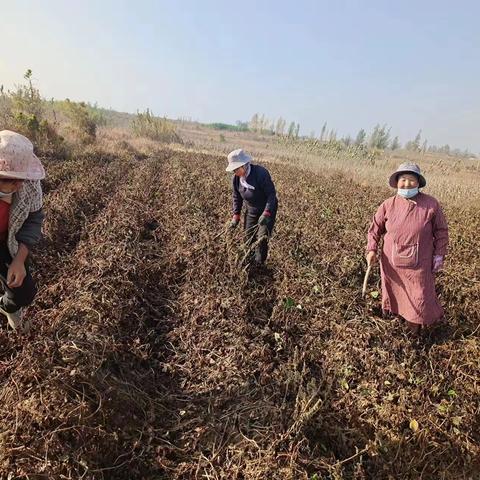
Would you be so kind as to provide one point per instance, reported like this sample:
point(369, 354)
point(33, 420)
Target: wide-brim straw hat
point(407, 168)
point(17, 159)
point(236, 159)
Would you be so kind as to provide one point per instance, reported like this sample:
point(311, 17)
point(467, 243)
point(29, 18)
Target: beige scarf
point(24, 201)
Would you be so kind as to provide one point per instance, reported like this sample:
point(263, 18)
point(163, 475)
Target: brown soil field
point(153, 355)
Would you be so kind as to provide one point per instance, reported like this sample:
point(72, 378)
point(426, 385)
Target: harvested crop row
point(75, 395)
point(296, 372)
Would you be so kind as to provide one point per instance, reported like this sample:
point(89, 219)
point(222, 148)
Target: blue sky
point(411, 64)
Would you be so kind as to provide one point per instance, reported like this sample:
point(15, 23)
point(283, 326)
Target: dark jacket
point(30, 232)
point(257, 201)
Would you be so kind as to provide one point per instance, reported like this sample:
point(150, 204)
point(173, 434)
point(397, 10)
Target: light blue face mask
point(407, 192)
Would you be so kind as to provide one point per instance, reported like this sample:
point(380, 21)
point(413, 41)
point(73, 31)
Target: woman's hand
point(371, 258)
point(235, 221)
point(16, 273)
point(264, 218)
point(437, 263)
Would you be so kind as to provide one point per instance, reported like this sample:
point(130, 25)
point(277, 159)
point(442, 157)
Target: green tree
point(332, 136)
point(414, 145)
point(323, 133)
point(262, 123)
point(424, 146)
point(280, 126)
point(380, 137)
point(253, 125)
point(361, 137)
point(297, 130)
point(417, 140)
point(395, 145)
point(241, 126)
point(445, 149)
point(291, 129)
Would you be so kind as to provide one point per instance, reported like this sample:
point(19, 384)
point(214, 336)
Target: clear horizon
point(352, 64)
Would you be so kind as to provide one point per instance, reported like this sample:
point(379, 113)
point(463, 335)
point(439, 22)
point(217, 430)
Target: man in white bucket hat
point(21, 218)
point(253, 186)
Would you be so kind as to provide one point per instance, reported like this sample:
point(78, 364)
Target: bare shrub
point(23, 110)
point(160, 129)
point(83, 126)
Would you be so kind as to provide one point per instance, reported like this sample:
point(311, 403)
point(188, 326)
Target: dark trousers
point(14, 298)
point(253, 232)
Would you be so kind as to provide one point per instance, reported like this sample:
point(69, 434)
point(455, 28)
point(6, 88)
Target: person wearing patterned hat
point(253, 186)
point(21, 217)
point(415, 235)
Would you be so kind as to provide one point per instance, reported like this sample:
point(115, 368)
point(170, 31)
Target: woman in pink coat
point(415, 242)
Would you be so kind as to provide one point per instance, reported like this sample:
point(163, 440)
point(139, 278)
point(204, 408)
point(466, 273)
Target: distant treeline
point(46, 122)
point(380, 138)
point(238, 127)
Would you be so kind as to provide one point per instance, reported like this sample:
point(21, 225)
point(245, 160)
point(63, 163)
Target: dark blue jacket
point(257, 201)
